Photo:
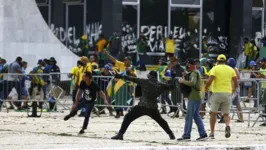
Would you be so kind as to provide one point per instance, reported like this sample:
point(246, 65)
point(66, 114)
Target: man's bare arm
point(109, 56)
point(235, 83)
point(77, 99)
point(103, 96)
point(209, 82)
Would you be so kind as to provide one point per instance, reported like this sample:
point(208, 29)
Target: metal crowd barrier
point(249, 90)
point(261, 102)
point(22, 89)
point(119, 93)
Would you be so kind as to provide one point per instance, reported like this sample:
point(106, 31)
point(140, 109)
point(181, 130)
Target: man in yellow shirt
point(124, 67)
point(74, 75)
point(101, 43)
point(221, 76)
point(170, 45)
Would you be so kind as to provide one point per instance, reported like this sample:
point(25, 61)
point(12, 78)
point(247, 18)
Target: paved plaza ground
point(51, 132)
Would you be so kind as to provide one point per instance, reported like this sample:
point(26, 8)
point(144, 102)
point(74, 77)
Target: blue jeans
point(193, 112)
point(88, 106)
point(74, 93)
point(165, 98)
point(45, 90)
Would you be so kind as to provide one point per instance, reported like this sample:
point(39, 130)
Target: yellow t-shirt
point(263, 72)
point(75, 71)
point(94, 64)
point(100, 44)
point(121, 66)
point(81, 72)
point(222, 82)
point(170, 46)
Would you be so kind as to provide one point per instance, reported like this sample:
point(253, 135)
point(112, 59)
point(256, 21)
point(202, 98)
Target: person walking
point(151, 89)
point(235, 98)
point(13, 80)
point(194, 103)
point(222, 77)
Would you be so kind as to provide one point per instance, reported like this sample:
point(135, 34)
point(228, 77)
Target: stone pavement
point(51, 132)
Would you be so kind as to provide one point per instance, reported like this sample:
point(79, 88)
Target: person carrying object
point(194, 102)
point(151, 89)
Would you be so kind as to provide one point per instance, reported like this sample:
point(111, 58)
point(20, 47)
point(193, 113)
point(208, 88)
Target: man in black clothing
point(151, 89)
point(89, 89)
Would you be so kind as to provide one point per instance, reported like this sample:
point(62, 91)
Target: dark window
point(129, 30)
point(191, 2)
point(257, 3)
point(153, 23)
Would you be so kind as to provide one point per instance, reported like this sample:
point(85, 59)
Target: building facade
point(223, 24)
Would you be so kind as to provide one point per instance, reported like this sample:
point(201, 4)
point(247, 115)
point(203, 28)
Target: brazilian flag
point(118, 90)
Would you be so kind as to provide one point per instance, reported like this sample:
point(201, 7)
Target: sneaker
point(117, 116)
point(221, 121)
point(122, 113)
point(11, 107)
point(72, 114)
point(227, 131)
point(211, 136)
point(239, 121)
point(25, 107)
point(82, 114)
point(81, 131)
point(118, 137)
point(172, 136)
point(202, 138)
point(263, 125)
point(184, 139)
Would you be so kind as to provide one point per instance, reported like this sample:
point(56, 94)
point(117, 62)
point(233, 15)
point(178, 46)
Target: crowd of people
point(173, 83)
point(14, 78)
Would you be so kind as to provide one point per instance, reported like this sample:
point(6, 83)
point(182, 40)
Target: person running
point(222, 77)
point(88, 89)
point(151, 89)
point(194, 102)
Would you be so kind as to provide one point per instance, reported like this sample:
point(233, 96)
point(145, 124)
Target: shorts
point(235, 99)
point(221, 101)
point(25, 91)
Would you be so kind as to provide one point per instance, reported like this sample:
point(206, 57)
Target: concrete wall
point(23, 32)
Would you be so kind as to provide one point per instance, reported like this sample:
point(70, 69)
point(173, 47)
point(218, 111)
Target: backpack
point(185, 89)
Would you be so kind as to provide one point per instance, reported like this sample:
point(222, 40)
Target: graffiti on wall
point(185, 39)
point(128, 39)
point(71, 38)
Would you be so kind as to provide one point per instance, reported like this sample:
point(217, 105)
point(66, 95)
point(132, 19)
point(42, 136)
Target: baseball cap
point(191, 61)
point(40, 61)
point(263, 59)
point(173, 59)
point(153, 74)
point(108, 67)
point(128, 58)
point(221, 57)
point(84, 59)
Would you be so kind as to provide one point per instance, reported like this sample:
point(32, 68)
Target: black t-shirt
point(89, 92)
